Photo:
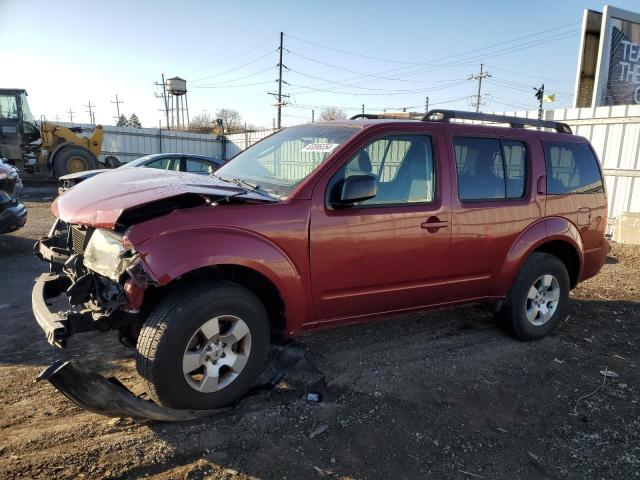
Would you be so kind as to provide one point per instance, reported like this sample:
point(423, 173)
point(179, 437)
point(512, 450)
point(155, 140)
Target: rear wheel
point(73, 159)
point(203, 347)
point(538, 298)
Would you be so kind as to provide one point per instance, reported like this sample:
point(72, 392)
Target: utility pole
point(426, 105)
point(280, 82)
point(363, 108)
point(164, 98)
point(313, 115)
point(117, 102)
point(92, 118)
point(57, 118)
point(279, 95)
point(480, 76)
point(540, 96)
point(70, 112)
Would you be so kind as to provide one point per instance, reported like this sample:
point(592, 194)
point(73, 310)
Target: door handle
point(433, 224)
point(542, 184)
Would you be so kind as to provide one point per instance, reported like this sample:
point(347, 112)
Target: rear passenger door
point(493, 203)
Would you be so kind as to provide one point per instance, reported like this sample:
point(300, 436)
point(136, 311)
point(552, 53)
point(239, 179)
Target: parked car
point(320, 225)
point(13, 214)
point(180, 162)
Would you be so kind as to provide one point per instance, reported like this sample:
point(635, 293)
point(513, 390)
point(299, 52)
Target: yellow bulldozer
point(45, 148)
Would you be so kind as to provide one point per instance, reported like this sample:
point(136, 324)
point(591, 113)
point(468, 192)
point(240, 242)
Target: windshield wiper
point(254, 187)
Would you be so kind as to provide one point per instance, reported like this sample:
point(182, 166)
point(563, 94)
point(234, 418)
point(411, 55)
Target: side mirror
point(355, 188)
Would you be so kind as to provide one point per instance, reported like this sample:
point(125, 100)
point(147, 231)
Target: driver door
point(389, 253)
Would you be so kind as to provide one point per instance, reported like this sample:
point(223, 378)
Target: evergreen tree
point(122, 121)
point(133, 121)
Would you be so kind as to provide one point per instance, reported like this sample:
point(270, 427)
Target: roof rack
point(390, 115)
point(516, 122)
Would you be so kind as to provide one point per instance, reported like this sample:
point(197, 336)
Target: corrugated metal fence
point(127, 143)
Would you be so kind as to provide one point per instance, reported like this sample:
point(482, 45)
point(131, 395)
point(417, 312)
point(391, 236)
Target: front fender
point(538, 233)
point(176, 252)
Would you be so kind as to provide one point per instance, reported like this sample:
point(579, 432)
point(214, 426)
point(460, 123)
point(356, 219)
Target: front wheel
point(538, 298)
point(203, 347)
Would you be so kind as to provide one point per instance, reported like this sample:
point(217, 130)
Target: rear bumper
point(58, 326)
point(594, 260)
point(12, 218)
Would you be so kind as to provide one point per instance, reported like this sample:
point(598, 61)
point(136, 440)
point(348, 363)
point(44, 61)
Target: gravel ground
point(442, 394)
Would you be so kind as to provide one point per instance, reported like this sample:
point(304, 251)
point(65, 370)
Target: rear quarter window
point(571, 168)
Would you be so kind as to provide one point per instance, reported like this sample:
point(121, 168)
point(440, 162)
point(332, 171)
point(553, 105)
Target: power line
point(464, 61)
point(409, 64)
point(233, 57)
point(234, 68)
point(360, 87)
point(399, 77)
point(407, 92)
point(234, 86)
point(237, 78)
point(371, 57)
point(366, 88)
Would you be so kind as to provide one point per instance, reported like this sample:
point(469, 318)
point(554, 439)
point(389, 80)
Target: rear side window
point(490, 168)
point(571, 168)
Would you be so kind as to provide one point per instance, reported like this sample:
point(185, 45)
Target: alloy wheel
point(542, 299)
point(216, 354)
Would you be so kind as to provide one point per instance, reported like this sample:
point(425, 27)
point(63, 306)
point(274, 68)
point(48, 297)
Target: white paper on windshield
point(320, 147)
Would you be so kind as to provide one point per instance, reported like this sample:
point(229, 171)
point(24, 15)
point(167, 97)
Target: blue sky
point(67, 53)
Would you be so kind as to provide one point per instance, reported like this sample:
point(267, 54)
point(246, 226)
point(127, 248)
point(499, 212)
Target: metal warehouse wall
point(130, 143)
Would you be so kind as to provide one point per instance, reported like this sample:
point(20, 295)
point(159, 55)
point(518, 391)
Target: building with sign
point(609, 63)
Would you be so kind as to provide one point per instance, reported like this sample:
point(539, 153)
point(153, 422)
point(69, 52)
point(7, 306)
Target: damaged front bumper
point(93, 302)
point(59, 326)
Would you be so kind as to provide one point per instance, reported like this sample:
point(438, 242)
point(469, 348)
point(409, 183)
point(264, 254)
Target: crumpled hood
point(99, 201)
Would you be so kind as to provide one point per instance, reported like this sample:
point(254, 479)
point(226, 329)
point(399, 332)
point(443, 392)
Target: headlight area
point(108, 275)
point(106, 254)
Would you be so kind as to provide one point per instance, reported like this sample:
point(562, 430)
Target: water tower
point(177, 103)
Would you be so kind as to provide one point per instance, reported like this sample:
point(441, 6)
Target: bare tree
point(202, 123)
point(332, 113)
point(231, 120)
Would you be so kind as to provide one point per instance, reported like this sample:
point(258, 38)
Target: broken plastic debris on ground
point(108, 396)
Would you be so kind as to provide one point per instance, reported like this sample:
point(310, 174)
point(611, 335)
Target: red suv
point(323, 224)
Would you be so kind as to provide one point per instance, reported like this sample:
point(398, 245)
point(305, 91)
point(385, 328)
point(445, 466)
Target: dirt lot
point(442, 394)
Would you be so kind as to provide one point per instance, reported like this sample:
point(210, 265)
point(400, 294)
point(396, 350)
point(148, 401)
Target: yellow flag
point(549, 98)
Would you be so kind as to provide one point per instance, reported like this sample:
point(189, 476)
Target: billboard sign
point(609, 74)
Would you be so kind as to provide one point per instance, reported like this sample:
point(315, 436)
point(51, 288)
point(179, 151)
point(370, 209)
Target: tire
point(112, 162)
point(529, 311)
point(174, 335)
point(73, 159)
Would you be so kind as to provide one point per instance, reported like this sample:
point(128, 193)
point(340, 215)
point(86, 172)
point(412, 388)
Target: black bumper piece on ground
point(109, 397)
point(58, 326)
point(12, 218)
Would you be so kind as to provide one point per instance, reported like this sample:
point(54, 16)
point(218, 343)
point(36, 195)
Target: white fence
point(127, 143)
point(240, 141)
